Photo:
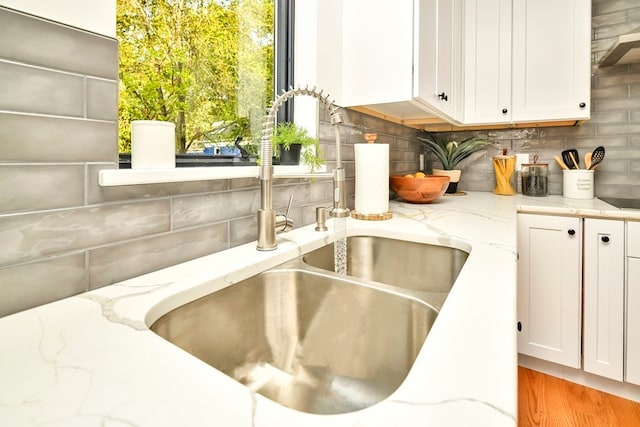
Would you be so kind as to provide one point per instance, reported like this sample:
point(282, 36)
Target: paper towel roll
point(372, 178)
point(153, 144)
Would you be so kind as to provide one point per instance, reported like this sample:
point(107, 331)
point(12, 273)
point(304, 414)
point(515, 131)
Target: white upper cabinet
point(551, 60)
point(436, 51)
point(468, 62)
point(487, 61)
point(398, 58)
point(377, 51)
point(526, 61)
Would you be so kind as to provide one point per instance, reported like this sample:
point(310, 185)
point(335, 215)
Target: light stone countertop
point(90, 360)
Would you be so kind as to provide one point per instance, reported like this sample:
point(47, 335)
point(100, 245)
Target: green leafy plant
point(287, 133)
point(450, 152)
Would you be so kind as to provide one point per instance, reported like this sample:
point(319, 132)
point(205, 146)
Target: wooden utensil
point(573, 159)
point(587, 160)
point(560, 163)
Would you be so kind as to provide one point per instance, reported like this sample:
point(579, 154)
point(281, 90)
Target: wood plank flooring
point(547, 401)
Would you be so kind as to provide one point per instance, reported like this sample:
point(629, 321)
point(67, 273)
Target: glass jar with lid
point(535, 178)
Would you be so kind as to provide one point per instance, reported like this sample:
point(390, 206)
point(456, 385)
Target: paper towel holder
point(371, 137)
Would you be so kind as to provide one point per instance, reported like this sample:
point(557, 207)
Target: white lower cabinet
point(549, 287)
point(632, 371)
point(603, 334)
point(573, 272)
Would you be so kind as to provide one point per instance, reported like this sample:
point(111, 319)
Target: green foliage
point(196, 63)
point(287, 133)
point(450, 153)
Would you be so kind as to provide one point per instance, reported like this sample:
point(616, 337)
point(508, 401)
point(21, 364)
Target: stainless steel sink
point(408, 265)
point(309, 340)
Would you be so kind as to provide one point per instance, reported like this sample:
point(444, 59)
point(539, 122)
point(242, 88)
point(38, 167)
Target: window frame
point(284, 29)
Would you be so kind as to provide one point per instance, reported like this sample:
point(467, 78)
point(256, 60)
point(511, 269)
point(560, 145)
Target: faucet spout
point(266, 214)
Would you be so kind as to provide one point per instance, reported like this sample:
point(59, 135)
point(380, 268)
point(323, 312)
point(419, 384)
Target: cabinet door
point(633, 321)
point(549, 287)
point(377, 59)
point(551, 60)
point(632, 372)
point(487, 61)
point(603, 347)
point(436, 54)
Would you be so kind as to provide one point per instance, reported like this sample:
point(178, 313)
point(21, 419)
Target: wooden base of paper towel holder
point(371, 217)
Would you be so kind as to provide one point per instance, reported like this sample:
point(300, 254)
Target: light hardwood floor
point(547, 401)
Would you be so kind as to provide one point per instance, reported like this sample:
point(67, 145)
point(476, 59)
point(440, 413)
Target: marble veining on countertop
point(92, 360)
point(558, 205)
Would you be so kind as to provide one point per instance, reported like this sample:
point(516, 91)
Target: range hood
point(625, 50)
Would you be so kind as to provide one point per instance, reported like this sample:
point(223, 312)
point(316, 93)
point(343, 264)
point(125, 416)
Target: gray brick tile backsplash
point(48, 44)
point(117, 262)
point(32, 284)
point(102, 99)
point(190, 211)
point(604, 92)
point(617, 80)
point(603, 7)
point(583, 144)
point(609, 19)
point(321, 190)
point(36, 90)
point(609, 117)
point(618, 129)
point(242, 230)
point(618, 104)
point(243, 183)
point(37, 187)
point(33, 235)
point(31, 138)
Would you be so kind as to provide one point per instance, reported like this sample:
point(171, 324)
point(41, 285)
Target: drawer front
point(633, 239)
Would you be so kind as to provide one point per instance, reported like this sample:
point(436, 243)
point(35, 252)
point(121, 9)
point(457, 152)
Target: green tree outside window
point(206, 65)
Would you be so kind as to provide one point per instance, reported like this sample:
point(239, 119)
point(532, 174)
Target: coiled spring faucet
point(267, 219)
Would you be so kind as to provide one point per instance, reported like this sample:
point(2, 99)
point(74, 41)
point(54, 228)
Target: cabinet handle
point(605, 239)
point(519, 326)
point(571, 232)
point(443, 96)
point(582, 105)
point(505, 111)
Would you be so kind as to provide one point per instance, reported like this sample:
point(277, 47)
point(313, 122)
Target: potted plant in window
point(291, 142)
point(450, 152)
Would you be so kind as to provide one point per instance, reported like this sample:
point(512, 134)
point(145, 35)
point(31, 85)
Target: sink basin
point(407, 265)
point(308, 340)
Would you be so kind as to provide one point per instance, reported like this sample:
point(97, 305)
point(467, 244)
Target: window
point(206, 65)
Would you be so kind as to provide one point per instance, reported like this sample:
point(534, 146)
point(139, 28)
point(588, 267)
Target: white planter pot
point(454, 178)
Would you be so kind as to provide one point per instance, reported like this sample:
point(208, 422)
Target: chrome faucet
point(268, 222)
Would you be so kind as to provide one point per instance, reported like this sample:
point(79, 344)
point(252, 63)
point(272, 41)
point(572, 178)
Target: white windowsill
point(115, 177)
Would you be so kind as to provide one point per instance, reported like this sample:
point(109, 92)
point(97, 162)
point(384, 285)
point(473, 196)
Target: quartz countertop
point(92, 360)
